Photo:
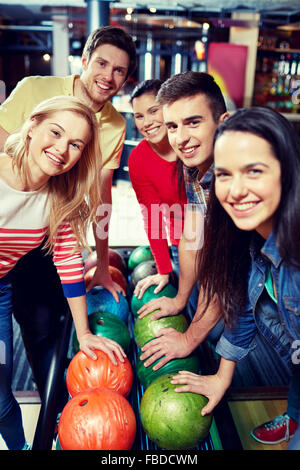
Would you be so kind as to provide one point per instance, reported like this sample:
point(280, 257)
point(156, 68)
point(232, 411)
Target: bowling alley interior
point(252, 49)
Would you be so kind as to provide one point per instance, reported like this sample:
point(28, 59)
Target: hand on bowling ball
point(167, 307)
point(169, 344)
point(103, 278)
point(210, 386)
point(160, 279)
point(89, 342)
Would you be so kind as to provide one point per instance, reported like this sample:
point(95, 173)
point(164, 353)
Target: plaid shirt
point(197, 187)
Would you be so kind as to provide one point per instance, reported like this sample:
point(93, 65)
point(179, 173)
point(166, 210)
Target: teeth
point(190, 150)
point(245, 206)
point(104, 87)
point(153, 131)
point(50, 155)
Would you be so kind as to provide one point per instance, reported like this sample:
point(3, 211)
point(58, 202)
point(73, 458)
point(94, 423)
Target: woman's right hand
point(163, 307)
point(161, 280)
point(89, 343)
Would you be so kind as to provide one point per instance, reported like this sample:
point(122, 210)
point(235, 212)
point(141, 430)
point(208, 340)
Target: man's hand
point(103, 278)
point(161, 280)
point(166, 307)
point(169, 344)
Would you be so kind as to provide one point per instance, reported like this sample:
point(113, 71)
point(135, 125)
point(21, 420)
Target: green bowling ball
point(139, 254)
point(168, 291)
point(108, 325)
point(147, 375)
point(173, 420)
point(146, 329)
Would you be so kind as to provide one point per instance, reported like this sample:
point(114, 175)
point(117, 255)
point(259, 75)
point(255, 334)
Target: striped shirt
point(24, 220)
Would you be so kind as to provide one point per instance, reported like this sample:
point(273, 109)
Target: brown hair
point(188, 84)
point(116, 37)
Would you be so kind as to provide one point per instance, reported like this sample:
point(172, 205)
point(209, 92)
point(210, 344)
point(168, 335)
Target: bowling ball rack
point(142, 442)
point(55, 390)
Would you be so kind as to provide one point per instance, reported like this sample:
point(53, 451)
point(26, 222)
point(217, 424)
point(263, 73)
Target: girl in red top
point(153, 174)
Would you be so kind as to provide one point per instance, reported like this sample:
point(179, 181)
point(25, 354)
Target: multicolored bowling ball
point(173, 420)
point(84, 373)
point(136, 303)
point(142, 270)
point(147, 375)
point(115, 259)
point(146, 329)
point(107, 325)
point(97, 419)
point(101, 300)
point(118, 277)
point(139, 254)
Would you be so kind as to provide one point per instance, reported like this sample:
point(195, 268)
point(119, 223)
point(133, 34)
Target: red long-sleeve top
point(154, 181)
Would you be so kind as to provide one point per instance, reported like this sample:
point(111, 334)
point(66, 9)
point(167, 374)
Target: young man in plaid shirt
point(193, 106)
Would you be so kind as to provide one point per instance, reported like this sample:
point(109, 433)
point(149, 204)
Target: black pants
point(39, 308)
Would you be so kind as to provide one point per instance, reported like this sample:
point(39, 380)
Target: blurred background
point(251, 47)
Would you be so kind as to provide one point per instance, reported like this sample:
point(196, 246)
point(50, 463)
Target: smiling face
point(104, 74)
point(56, 144)
point(248, 180)
point(191, 130)
point(149, 118)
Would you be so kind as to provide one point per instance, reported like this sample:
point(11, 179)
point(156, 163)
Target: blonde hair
point(74, 195)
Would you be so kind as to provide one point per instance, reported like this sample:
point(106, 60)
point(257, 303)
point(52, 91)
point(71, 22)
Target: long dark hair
point(224, 260)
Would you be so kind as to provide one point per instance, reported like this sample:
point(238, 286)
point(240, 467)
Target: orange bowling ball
point(85, 373)
point(98, 419)
point(118, 277)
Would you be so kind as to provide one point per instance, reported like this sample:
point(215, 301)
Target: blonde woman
point(49, 178)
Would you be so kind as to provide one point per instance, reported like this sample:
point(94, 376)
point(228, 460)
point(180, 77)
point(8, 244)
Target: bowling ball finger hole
point(83, 403)
point(100, 322)
point(87, 370)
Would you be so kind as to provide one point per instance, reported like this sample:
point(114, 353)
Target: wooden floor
point(246, 414)
point(249, 414)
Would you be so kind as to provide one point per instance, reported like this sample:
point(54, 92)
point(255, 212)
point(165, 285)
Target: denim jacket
point(278, 322)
